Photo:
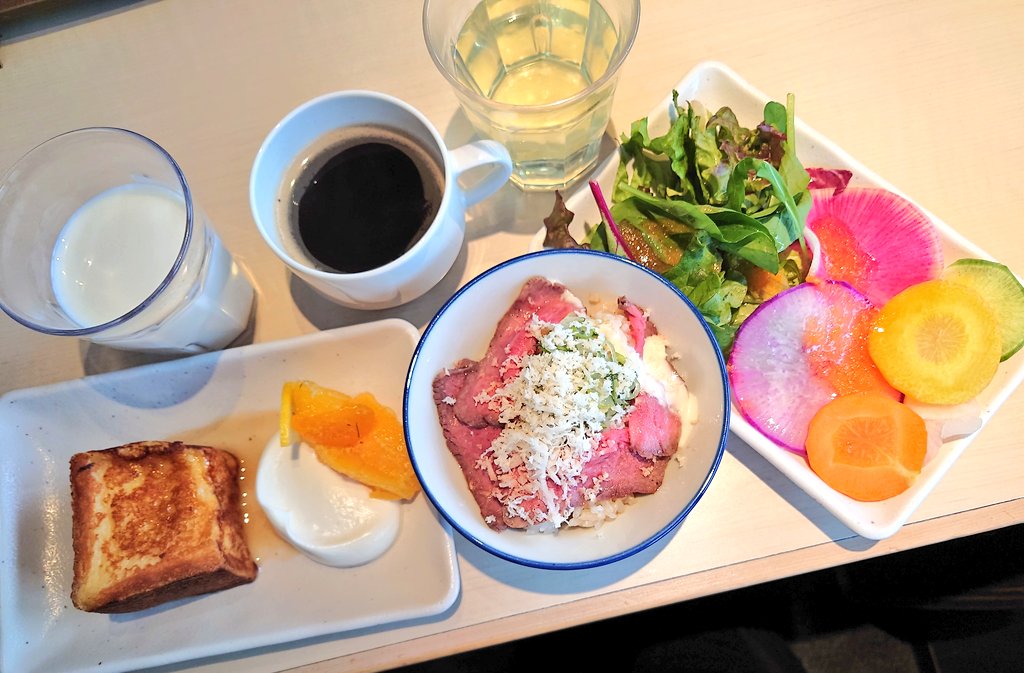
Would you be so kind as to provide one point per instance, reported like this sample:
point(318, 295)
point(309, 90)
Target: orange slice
point(356, 436)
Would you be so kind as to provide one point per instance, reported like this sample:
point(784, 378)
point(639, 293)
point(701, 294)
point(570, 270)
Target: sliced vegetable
point(876, 241)
point(937, 342)
point(836, 343)
point(1003, 292)
point(606, 216)
point(795, 353)
point(867, 446)
point(948, 421)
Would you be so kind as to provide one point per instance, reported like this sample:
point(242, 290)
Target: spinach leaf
point(679, 210)
point(793, 173)
point(709, 200)
point(775, 115)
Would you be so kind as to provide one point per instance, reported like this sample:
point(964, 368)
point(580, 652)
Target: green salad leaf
point(716, 208)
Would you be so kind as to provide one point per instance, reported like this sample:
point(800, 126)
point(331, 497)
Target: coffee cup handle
point(479, 154)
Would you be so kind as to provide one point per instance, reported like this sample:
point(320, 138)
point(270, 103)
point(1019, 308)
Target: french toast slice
point(153, 522)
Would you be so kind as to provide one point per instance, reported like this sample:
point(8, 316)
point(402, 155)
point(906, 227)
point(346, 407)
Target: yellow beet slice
point(356, 436)
point(936, 341)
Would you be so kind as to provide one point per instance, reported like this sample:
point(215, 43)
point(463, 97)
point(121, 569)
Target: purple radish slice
point(796, 352)
point(875, 240)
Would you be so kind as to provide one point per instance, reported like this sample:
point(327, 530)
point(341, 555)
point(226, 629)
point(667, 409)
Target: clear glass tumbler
point(100, 239)
point(537, 76)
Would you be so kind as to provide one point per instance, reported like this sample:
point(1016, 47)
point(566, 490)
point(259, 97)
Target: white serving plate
point(715, 85)
point(464, 328)
point(228, 399)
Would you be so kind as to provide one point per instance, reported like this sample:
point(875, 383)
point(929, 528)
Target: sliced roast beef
point(621, 472)
point(637, 323)
point(654, 429)
point(540, 297)
point(466, 443)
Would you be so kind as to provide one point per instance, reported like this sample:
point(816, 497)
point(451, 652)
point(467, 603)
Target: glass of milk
point(100, 239)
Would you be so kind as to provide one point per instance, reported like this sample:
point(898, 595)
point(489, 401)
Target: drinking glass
point(100, 239)
point(537, 76)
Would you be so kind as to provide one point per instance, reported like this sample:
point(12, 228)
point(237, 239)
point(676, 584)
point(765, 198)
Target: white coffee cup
point(427, 261)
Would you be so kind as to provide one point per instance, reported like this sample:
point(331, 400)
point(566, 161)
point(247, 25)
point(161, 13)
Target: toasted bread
point(154, 522)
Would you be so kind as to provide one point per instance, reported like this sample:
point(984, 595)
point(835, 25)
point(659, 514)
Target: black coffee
point(364, 199)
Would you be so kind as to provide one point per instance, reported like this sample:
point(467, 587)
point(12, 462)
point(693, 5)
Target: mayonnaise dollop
point(328, 517)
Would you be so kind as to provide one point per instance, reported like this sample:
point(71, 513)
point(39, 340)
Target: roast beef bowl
point(566, 409)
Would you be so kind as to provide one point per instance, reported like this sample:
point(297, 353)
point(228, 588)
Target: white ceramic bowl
point(463, 328)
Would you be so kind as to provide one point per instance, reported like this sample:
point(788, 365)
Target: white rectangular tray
point(714, 85)
point(228, 399)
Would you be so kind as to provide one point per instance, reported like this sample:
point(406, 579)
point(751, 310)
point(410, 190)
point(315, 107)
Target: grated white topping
point(565, 395)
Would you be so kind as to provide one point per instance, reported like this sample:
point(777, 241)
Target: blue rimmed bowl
point(463, 328)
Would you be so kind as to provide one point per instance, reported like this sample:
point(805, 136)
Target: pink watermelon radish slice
point(796, 352)
point(875, 240)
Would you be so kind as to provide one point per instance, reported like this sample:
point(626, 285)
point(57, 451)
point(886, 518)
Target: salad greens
point(716, 208)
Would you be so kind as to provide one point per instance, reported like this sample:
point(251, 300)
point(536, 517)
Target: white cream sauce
point(328, 517)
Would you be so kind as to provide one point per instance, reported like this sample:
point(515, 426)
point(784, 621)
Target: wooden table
point(929, 95)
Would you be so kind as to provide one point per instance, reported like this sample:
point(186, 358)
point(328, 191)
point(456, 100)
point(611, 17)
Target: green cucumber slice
point(1001, 289)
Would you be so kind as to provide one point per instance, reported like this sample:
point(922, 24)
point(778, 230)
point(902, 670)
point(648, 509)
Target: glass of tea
point(538, 77)
point(100, 239)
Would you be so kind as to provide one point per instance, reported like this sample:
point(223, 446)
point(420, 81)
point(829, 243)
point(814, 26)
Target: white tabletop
point(928, 95)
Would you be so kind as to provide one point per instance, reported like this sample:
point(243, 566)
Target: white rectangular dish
point(714, 85)
point(228, 399)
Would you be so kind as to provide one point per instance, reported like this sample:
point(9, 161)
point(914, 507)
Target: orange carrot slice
point(867, 446)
